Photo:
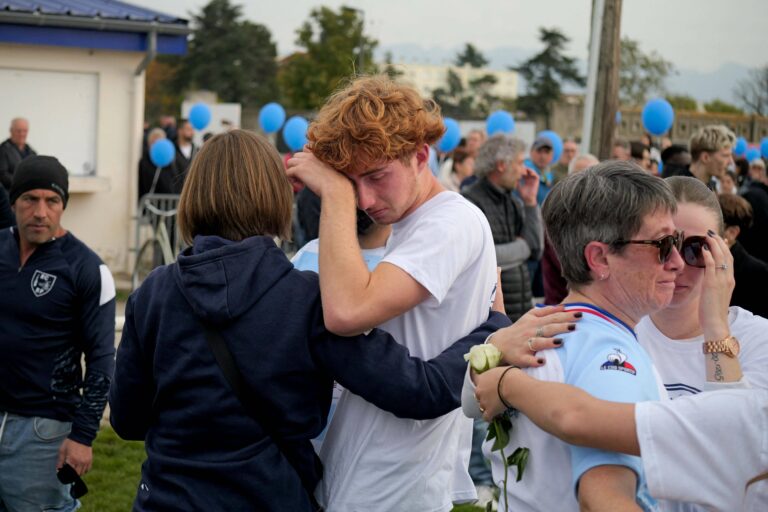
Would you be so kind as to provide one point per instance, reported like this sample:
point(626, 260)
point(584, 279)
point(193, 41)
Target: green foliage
point(232, 57)
point(683, 102)
point(641, 74)
point(116, 472)
point(335, 48)
point(545, 72)
point(473, 100)
point(752, 92)
point(471, 56)
point(162, 96)
point(722, 107)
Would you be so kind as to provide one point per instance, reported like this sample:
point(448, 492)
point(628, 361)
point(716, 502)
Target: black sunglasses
point(664, 244)
point(68, 475)
point(691, 251)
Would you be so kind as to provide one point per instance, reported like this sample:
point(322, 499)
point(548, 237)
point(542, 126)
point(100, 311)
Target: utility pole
point(602, 99)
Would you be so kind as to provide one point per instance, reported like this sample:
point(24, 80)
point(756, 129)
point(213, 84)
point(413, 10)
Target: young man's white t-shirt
point(373, 460)
point(704, 449)
point(682, 367)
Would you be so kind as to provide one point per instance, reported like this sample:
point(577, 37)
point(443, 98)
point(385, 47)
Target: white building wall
point(428, 77)
point(101, 206)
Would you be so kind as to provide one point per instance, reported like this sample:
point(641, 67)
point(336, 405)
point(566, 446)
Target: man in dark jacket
point(13, 150)
point(57, 303)
point(516, 225)
point(754, 238)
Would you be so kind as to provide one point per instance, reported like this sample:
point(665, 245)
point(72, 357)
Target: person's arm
point(98, 331)
point(5, 167)
point(564, 411)
point(512, 254)
point(354, 299)
point(608, 489)
point(132, 390)
point(533, 231)
point(7, 219)
point(385, 374)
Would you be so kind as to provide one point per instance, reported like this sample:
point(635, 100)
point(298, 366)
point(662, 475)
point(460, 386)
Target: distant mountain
point(704, 86)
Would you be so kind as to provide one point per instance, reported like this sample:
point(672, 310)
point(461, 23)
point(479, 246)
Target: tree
point(471, 56)
point(545, 72)
point(470, 100)
point(752, 92)
point(334, 48)
point(683, 102)
point(161, 94)
point(641, 74)
point(389, 69)
point(233, 58)
point(722, 107)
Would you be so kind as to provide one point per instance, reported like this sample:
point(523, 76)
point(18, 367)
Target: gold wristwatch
point(728, 346)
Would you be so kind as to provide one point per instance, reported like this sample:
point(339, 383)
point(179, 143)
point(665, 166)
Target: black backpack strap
point(237, 383)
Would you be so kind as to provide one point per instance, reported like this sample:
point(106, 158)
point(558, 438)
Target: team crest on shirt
point(618, 361)
point(42, 283)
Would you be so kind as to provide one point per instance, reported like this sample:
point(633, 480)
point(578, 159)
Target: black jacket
point(755, 238)
point(204, 450)
point(10, 156)
point(170, 180)
point(517, 236)
point(751, 276)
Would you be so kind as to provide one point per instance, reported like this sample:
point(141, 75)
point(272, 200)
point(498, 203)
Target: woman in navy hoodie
point(205, 451)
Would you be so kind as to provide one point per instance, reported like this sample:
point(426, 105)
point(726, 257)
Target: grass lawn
point(115, 475)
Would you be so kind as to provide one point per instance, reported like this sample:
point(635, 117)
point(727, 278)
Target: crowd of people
point(336, 380)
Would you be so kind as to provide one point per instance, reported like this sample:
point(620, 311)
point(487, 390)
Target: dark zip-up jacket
point(205, 451)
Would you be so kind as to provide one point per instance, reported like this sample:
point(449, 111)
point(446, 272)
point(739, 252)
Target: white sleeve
point(468, 402)
point(444, 248)
point(704, 448)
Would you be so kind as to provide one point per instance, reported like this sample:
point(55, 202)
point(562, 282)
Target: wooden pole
point(606, 101)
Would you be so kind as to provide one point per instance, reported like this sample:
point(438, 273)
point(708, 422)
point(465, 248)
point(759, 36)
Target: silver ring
point(723, 267)
point(540, 332)
point(530, 345)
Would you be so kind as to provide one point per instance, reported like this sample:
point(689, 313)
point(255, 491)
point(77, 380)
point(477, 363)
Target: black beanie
point(40, 172)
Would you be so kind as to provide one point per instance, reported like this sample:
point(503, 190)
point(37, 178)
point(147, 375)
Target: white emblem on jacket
point(42, 283)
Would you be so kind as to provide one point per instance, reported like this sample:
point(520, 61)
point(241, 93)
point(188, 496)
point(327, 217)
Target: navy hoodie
point(205, 452)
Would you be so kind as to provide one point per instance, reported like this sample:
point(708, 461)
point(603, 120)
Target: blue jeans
point(479, 468)
point(29, 449)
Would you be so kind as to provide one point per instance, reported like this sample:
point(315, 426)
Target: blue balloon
point(557, 143)
point(500, 121)
point(752, 154)
point(295, 133)
point(618, 117)
point(451, 137)
point(200, 116)
point(764, 147)
point(658, 116)
point(162, 152)
point(271, 117)
point(741, 147)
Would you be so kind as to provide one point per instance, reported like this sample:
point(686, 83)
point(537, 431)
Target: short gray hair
point(605, 203)
point(584, 157)
point(499, 148)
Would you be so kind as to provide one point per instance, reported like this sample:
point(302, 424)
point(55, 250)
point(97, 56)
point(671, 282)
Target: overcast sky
point(693, 34)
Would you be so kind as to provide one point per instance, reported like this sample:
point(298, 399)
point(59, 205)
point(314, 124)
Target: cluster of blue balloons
point(658, 116)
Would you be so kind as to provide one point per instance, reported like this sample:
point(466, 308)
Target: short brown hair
point(736, 211)
point(372, 120)
point(236, 188)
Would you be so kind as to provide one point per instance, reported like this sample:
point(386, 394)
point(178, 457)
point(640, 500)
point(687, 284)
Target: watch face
point(733, 345)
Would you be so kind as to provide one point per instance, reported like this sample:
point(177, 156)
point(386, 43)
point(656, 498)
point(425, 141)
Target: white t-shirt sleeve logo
point(42, 283)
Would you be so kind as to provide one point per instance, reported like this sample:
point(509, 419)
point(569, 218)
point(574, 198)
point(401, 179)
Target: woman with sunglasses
point(697, 342)
point(613, 231)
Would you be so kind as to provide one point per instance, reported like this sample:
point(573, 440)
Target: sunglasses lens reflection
point(692, 251)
